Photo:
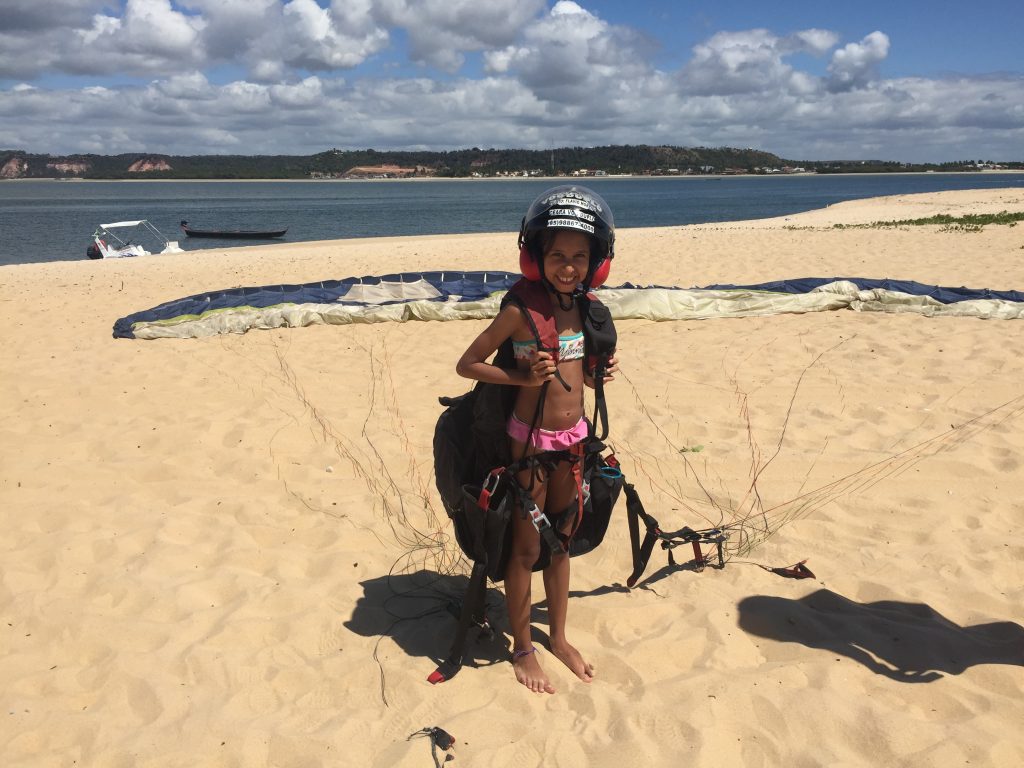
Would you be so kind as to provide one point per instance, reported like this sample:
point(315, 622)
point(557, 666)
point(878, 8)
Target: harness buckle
point(489, 488)
point(539, 519)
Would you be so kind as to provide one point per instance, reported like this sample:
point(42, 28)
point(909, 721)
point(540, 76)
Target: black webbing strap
point(592, 328)
point(549, 460)
point(641, 552)
point(669, 539)
point(540, 521)
point(599, 425)
point(538, 414)
point(472, 613)
point(686, 535)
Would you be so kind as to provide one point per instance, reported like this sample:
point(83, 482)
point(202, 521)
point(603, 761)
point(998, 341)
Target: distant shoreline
point(565, 179)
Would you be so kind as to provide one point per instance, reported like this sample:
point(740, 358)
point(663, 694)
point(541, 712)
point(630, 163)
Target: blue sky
point(928, 38)
point(898, 80)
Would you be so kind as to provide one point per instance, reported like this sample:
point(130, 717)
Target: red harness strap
point(577, 474)
point(798, 571)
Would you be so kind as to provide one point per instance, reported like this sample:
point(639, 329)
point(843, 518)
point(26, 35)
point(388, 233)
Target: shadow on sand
point(419, 613)
point(908, 642)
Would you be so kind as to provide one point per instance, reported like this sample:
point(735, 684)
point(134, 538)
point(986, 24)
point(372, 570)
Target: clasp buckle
point(489, 488)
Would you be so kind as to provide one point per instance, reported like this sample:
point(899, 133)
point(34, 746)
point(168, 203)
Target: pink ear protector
point(531, 268)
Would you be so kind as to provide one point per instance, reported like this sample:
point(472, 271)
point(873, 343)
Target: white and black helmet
point(574, 208)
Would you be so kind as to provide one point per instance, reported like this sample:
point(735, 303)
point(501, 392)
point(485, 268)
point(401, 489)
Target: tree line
point(619, 159)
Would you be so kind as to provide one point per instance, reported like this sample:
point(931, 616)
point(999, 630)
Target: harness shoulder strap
point(532, 300)
point(597, 354)
point(535, 305)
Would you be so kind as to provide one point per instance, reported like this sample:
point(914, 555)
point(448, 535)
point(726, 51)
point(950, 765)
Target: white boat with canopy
point(114, 240)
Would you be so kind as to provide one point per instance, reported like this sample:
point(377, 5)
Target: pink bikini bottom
point(547, 439)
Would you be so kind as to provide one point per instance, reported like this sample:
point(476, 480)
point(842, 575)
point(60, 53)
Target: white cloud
point(300, 35)
point(814, 41)
point(274, 38)
point(241, 98)
point(912, 118)
point(571, 58)
point(102, 26)
point(751, 61)
point(232, 26)
point(308, 93)
point(501, 61)
point(557, 77)
point(153, 28)
point(34, 16)
point(441, 31)
point(188, 87)
point(151, 38)
point(856, 64)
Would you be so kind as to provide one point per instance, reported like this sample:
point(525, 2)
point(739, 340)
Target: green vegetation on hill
point(883, 166)
point(334, 162)
point(563, 161)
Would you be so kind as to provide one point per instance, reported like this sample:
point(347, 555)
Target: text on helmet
point(574, 198)
point(571, 212)
point(571, 224)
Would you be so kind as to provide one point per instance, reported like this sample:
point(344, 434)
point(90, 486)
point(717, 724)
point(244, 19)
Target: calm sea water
point(53, 220)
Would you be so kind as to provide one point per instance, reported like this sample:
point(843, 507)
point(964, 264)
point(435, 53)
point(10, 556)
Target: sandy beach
point(230, 552)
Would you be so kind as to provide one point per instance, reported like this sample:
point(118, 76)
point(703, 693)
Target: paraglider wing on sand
point(477, 295)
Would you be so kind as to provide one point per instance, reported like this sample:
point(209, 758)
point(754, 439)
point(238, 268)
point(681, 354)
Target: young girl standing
point(566, 245)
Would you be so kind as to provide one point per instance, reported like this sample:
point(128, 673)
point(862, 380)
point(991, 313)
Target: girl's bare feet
point(569, 656)
point(528, 671)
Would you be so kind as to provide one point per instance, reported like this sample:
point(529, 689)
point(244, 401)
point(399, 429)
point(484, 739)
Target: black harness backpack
point(475, 472)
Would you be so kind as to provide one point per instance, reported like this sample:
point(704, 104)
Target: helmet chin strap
point(562, 297)
point(565, 301)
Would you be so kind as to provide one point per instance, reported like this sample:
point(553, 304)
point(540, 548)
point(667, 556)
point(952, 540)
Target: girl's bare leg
point(518, 578)
point(561, 492)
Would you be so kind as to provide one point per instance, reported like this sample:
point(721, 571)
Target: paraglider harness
point(470, 443)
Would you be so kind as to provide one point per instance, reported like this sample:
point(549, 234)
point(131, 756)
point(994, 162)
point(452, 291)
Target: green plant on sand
point(971, 222)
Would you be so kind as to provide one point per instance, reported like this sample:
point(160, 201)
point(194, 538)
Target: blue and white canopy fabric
point(477, 295)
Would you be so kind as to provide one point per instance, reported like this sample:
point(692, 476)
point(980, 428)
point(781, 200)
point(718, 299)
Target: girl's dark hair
point(543, 240)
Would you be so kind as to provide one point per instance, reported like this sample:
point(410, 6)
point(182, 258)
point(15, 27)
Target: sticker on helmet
point(581, 202)
point(571, 224)
point(568, 197)
point(571, 212)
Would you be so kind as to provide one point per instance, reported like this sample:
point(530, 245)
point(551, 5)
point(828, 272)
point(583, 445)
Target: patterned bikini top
point(569, 348)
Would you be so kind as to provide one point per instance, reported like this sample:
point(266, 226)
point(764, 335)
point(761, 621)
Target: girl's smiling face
point(567, 260)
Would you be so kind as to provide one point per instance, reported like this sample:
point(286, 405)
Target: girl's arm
point(473, 363)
